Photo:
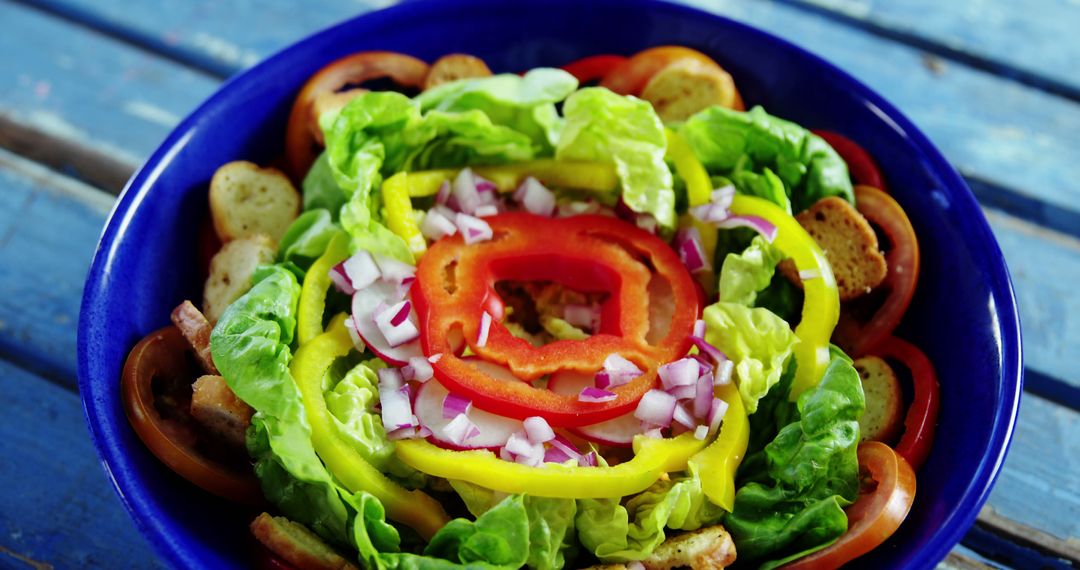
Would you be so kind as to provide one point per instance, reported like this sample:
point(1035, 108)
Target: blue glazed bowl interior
point(963, 315)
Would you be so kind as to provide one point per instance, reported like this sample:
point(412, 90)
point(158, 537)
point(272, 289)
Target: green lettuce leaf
point(604, 126)
point(444, 140)
point(744, 274)
point(525, 104)
point(794, 503)
point(756, 340)
point(617, 533)
point(500, 537)
point(321, 189)
point(307, 238)
point(728, 141)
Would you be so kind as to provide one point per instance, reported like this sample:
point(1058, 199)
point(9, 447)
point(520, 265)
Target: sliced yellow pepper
point(821, 307)
point(399, 213)
point(579, 175)
point(309, 317)
point(413, 508)
point(698, 192)
point(652, 458)
point(722, 458)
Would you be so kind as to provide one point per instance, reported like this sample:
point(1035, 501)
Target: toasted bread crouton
point(297, 545)
point(849, 243)
point(686, 86)
point(231, 270)
point(216, 407)
point(884, 413)
point(246, 200)
point(325, 102)
point(453, 67)
point(709, 548)
point(196, 330)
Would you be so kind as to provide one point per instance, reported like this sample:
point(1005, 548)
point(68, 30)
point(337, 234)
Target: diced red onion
point(760, 225)
point(723, 196)
point(472, 229)
point(396, 408)
point(340, 279)
point(716, 414)
point(460, 429)
point(703, 396)
point(578, 207)
point(710, 213)
point(723, 373)
point(582, 316)
point(699, 328)
point(653, 433)
point(682, 372)
point(701, 432)
point(443, 195)
point(592, 395)
point(620, 370)
point(483, 184)
point(566, 446)
point(360, 270)
point(538, 429)
point(684, 417)
point(602, 380)
point(808, 274)
point(464, 191)
point(656, 407)
point(404, 433)
point(392, 269)
point(535, 197)
point(709, 350)
point(436, 225)
point(434, 357)
point(407, 373)
point(588, 460)
point(556, 455)
point(402, 313)
point(390, 378)
point(692, 253)
point(453, 405)
point(422, 370)
point(524, 450)
point(506, 455)
point(486, 210)
point(395, 334)
point(485, 329)
point(683, 392)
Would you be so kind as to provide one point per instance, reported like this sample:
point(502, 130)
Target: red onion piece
point(683, 392)
point(723, 373)
point(464, 191)
point(340, 279)
point(692, 253)
point(566, 446)
point(486, 210)
point(556, 455)
point(402, 313)
point(535, 197)
point(592, 394)
point(364, 305)
point(460, 430)
point(393, 270)
point(760, 225)
point(407, 372)
point(436, 225)
point(709, 350)
point(443, 195)
point(485, 329)
point(682, 372)
point(654, 433)
point(453, 405)
point(525, 451)
point(709, 213)
point(602, 380)
point(588, 460)
point(716, 414)
point(538, 430)
point(360, 269)
point(620, 370)
point(422, 370)
point(703, 397)
point(390, 378)
point(473, 229)
point(396, 334)
point(582, 316)
point(656, 407)
point(405, 433)
point(699, 328)
point(484, 185)
point(701, 432)
point(396, 408)
point(684, 417)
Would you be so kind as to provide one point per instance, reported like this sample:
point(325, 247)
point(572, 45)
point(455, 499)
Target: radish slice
point(364, 303)
point(494, 430)
point(454, 405)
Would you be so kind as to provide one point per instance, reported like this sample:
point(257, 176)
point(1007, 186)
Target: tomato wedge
point(921, 420)
point(861, 165)
point(161, 363)
point(875, 515)
point(859, 338)
point(300, 146)
point(593, 68)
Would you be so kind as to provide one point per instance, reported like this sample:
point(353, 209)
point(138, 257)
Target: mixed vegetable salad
point(597, 315)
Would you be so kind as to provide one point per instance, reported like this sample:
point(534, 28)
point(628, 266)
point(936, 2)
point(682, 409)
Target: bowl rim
point(136, 500)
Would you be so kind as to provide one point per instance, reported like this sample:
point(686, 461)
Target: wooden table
point(89, 87)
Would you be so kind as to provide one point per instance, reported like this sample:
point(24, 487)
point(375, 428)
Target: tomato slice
point(352, 70)
point(875, 515)
point(921, 419)
point(631, 76)
point(152, 385)
point(593, 68)
point(861, 165)
point(859, 338)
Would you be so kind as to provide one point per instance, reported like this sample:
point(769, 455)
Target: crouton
point(231, 270)
point(297, 545)
point(216, 407)
point(849, 243)
point(246, 200)
point(196, 330)
point(884, 413)
point(325, 102)
point(453, 67)
point(709, 548)
point(686, 86)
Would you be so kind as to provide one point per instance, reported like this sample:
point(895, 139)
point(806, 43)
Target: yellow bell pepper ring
point(718, 462)
point(599, 177)
point(698, 192)
point(399, 213)
point(413, 508)
point(309, 318)
point(821, 307)
point(652, 458)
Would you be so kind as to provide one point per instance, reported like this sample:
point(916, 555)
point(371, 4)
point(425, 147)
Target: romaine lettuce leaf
point(728, 141)
point(307, 238)
point(604, 126)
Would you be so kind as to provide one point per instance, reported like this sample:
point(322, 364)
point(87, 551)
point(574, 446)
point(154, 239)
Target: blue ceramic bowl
point(963, 316)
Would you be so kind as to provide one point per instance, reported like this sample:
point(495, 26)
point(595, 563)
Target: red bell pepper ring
point(593, 68)
point(921, 419)
point(861, 165)
point(585, 253)
point(859, 338)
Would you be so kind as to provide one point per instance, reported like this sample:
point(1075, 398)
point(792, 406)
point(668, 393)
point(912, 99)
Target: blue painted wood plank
point(56, 505)
point(1032, 41)
point(76, 85)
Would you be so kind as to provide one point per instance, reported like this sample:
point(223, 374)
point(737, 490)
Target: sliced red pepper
point(861, 165)
point(592, 68)
point(921, 420)
point(585, 253)
point(859, 338)
point(300, 146)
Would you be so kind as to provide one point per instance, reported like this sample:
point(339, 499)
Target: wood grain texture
point(69, 84)
point(1031, 41)
point(995, 130)
point(57, 507)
